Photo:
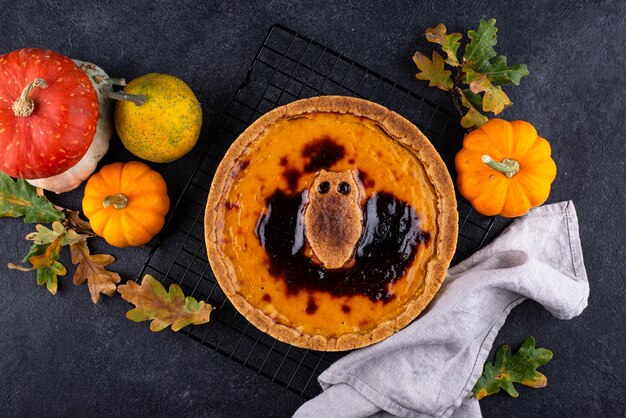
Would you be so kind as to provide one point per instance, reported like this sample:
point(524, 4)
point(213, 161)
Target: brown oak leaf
point(91, 267)
point(72, 217)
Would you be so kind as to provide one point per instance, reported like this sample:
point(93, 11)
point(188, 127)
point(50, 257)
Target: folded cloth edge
point(575, 246)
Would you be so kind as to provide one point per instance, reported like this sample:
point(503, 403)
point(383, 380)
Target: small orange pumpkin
point(126, 203)
point(505, 168)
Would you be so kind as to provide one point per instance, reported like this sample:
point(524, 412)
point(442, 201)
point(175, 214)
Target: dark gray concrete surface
point(64, 356)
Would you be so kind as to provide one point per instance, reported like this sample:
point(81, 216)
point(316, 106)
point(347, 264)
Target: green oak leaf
point(509, 369)
point(473, 118)
point(481, 45)
point(35, 249)
point(433, 71)
point(449, 42)
point(18, 198)
point(49, 276)
point(474, 98)
point(499, 72)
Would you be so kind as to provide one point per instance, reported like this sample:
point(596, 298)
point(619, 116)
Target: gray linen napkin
point(429, 368)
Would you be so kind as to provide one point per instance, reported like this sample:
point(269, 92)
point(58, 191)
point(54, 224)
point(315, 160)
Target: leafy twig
point(68, 229)
point(152, 302)
point(477, 75)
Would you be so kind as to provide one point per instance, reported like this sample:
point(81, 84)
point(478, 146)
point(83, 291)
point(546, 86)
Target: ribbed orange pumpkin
point(126, 203)
point(505, 168)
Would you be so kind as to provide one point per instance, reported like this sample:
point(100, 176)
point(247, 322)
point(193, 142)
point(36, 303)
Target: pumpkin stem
point(109, 93)
point(24, 105)
point(118, 201)
point(507, 167)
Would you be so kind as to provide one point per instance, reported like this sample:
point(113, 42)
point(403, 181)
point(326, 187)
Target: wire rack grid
point(287, 67)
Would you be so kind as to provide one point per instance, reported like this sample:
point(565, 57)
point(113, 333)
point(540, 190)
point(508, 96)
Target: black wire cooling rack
point(288, 66)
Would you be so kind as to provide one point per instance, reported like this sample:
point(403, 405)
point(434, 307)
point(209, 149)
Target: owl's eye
point(343, 188)
point(323, 187)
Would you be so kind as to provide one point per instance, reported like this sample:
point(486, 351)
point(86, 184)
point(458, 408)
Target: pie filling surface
point(264, 235)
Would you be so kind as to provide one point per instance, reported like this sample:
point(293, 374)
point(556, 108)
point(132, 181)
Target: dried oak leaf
point(449, 42)
point(433, 71)
point(43, 258)
point(73, 220)
point(494, 99)
point(152, 302)
point(520, 368)
point(91, 267)
point(72, 217)
point(18, 198)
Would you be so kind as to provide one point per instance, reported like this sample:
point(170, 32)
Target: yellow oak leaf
point(449, 42)
point(433, 71)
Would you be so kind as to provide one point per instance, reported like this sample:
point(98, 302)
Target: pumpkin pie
point(330, 223)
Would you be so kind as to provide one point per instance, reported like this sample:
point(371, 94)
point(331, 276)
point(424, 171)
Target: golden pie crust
point(267, 316)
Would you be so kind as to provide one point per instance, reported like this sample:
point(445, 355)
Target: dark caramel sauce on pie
point(292, 176)
point(311, 306)
point(322, 153)
point(387, 247)
point(319, 154)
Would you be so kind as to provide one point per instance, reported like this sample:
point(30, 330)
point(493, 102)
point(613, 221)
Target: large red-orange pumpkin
point(48, 113)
